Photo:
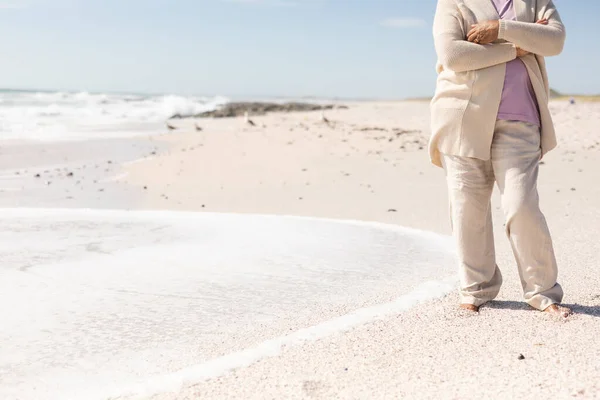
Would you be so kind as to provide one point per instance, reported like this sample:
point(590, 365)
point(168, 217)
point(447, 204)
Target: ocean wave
point(55, 115)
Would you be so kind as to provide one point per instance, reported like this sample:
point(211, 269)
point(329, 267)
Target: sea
point(51, 116)
point(61, 115)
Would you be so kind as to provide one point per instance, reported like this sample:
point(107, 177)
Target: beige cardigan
point(471, 76)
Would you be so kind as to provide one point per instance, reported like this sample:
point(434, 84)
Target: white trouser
point(515, 156)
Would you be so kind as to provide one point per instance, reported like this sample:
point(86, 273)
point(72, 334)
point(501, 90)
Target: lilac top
point(518, 98)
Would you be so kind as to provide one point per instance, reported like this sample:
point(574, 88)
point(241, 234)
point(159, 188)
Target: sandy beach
point(368, 163)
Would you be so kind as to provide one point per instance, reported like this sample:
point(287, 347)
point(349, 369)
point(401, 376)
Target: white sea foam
point(59, 115)
point(97, 304)
point(175, 381)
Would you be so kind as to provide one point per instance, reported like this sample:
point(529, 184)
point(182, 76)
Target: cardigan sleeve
point(455, 52)
point(543, 40)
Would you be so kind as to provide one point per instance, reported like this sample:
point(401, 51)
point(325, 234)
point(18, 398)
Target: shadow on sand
point(593, 311)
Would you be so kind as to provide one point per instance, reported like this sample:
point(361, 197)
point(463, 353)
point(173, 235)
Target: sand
point(81, 174)
point(371, 163)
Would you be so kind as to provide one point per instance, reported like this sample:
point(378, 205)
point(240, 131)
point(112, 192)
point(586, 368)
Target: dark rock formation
point(257, 108)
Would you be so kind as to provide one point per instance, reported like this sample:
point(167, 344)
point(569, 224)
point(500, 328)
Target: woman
point(491, 123)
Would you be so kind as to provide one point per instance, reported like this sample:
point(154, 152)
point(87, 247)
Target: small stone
point(101, 190)
point(573, 189)
point(110, 162)
point(203, 206)
point(145, 187)
point(521, 357)
point(37, 176)
point(69, 174)
point(392, 210)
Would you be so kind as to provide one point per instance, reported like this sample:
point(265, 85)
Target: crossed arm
point(546, 41)
point(545, 38)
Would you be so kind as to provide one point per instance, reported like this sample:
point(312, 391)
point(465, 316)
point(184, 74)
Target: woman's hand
point(487, 32)
point(484, 32)
point(521, 52)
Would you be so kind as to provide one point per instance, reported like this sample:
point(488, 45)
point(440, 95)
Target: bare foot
point(469, 307)
point(559, 311)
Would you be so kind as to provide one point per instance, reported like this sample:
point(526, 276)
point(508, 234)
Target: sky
point(251, 48)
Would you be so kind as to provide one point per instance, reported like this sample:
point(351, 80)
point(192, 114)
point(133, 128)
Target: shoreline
point(370, 163)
